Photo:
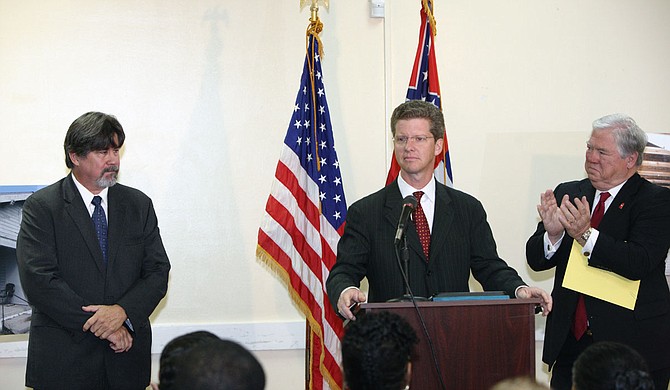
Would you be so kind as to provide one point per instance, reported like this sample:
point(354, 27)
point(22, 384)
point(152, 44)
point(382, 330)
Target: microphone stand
point(402, 255)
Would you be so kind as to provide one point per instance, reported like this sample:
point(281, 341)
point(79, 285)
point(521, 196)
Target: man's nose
point(591, 156)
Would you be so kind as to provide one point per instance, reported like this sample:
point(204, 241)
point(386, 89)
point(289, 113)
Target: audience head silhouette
point(376, 351)
point(174, 349)
point(609, 365)
point(519, 383)
point(202, 361)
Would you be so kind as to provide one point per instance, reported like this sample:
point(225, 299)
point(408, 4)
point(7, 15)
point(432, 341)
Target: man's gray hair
point(627, 134)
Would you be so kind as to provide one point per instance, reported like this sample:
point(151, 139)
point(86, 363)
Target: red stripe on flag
point(288, 178)
point(304, 219)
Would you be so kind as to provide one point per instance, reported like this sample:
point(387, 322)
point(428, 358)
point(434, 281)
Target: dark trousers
point(561, 371)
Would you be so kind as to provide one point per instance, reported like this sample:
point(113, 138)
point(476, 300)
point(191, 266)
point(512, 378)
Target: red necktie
point(581, 323)
point(422, 225)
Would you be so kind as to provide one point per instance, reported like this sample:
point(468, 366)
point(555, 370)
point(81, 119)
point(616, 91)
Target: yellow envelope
point(597, 282)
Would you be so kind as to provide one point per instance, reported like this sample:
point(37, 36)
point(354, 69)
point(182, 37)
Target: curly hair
point(609, 365)
point(376, 350)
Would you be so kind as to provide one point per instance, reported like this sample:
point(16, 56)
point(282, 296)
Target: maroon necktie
point(581, 323)
point(422, 225)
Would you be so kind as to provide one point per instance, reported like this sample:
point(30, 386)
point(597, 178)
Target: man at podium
point(447, 238)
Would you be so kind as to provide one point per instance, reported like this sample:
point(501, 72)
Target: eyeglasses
point(417, 139)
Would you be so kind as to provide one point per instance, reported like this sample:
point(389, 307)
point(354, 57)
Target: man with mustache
point(93, 266)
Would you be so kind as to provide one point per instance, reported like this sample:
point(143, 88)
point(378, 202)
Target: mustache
point(113, 168)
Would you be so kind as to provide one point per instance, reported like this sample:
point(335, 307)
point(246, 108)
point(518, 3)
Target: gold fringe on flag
point(431, 19)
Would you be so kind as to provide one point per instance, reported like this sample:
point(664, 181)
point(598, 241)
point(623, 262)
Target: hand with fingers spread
point(575, 217)
point(550, 214)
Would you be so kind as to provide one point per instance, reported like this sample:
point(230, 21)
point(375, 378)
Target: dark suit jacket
point(633, 242)
point(61, 270)
point(461, 242)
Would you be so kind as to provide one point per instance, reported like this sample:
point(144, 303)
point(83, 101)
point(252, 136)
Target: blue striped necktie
point(100, 224)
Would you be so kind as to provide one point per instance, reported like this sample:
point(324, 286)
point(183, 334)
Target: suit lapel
point(443, 218)
point(117, 212)
point(75, 207)
point(392, 210)
point(586, 189)
point(625, 195)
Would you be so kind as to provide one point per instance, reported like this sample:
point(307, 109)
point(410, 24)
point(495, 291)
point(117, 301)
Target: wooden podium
point(477, 342)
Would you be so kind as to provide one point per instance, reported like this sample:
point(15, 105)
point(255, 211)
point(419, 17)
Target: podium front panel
point(477, 343)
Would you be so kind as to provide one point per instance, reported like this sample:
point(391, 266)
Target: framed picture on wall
point(15, 310)
point(656, 168)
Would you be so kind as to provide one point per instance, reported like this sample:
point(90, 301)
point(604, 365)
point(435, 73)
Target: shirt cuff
point(349, 288)
point(549, 248)
point(587, 250)
point(517, 290)
point(129, 325)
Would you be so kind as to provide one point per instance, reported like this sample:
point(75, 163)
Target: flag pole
point(305, 216)
point(314, 28)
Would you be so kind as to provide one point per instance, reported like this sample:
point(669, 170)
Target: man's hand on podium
point(348, 299)
point(536, 292)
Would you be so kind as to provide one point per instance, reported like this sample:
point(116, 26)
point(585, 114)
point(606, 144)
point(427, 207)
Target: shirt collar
point(87, 195)
point(613, 191)
point(406, 189)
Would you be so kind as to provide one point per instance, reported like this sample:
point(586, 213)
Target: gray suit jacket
point(61, 270)
point(461, 242)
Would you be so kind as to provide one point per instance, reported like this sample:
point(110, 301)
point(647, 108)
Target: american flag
point(424, 84)
point(304, 219)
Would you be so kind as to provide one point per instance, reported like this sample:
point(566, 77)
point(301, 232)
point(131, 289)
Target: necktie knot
point(599, 210)
point(97, 201)
point(603, 197)
point(418, 196)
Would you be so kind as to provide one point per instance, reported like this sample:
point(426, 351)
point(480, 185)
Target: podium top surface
point(464, 302)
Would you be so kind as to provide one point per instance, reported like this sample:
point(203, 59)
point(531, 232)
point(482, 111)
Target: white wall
point(205, 90)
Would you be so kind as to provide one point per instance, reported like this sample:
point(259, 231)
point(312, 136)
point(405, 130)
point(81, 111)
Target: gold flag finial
point(314, 6)
point(304, 3)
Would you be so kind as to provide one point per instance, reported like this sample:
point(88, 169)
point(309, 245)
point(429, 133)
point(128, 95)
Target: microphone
point(408, 205)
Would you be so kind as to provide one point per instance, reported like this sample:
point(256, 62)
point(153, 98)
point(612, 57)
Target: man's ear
point(439, 144)
point(74, 158)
